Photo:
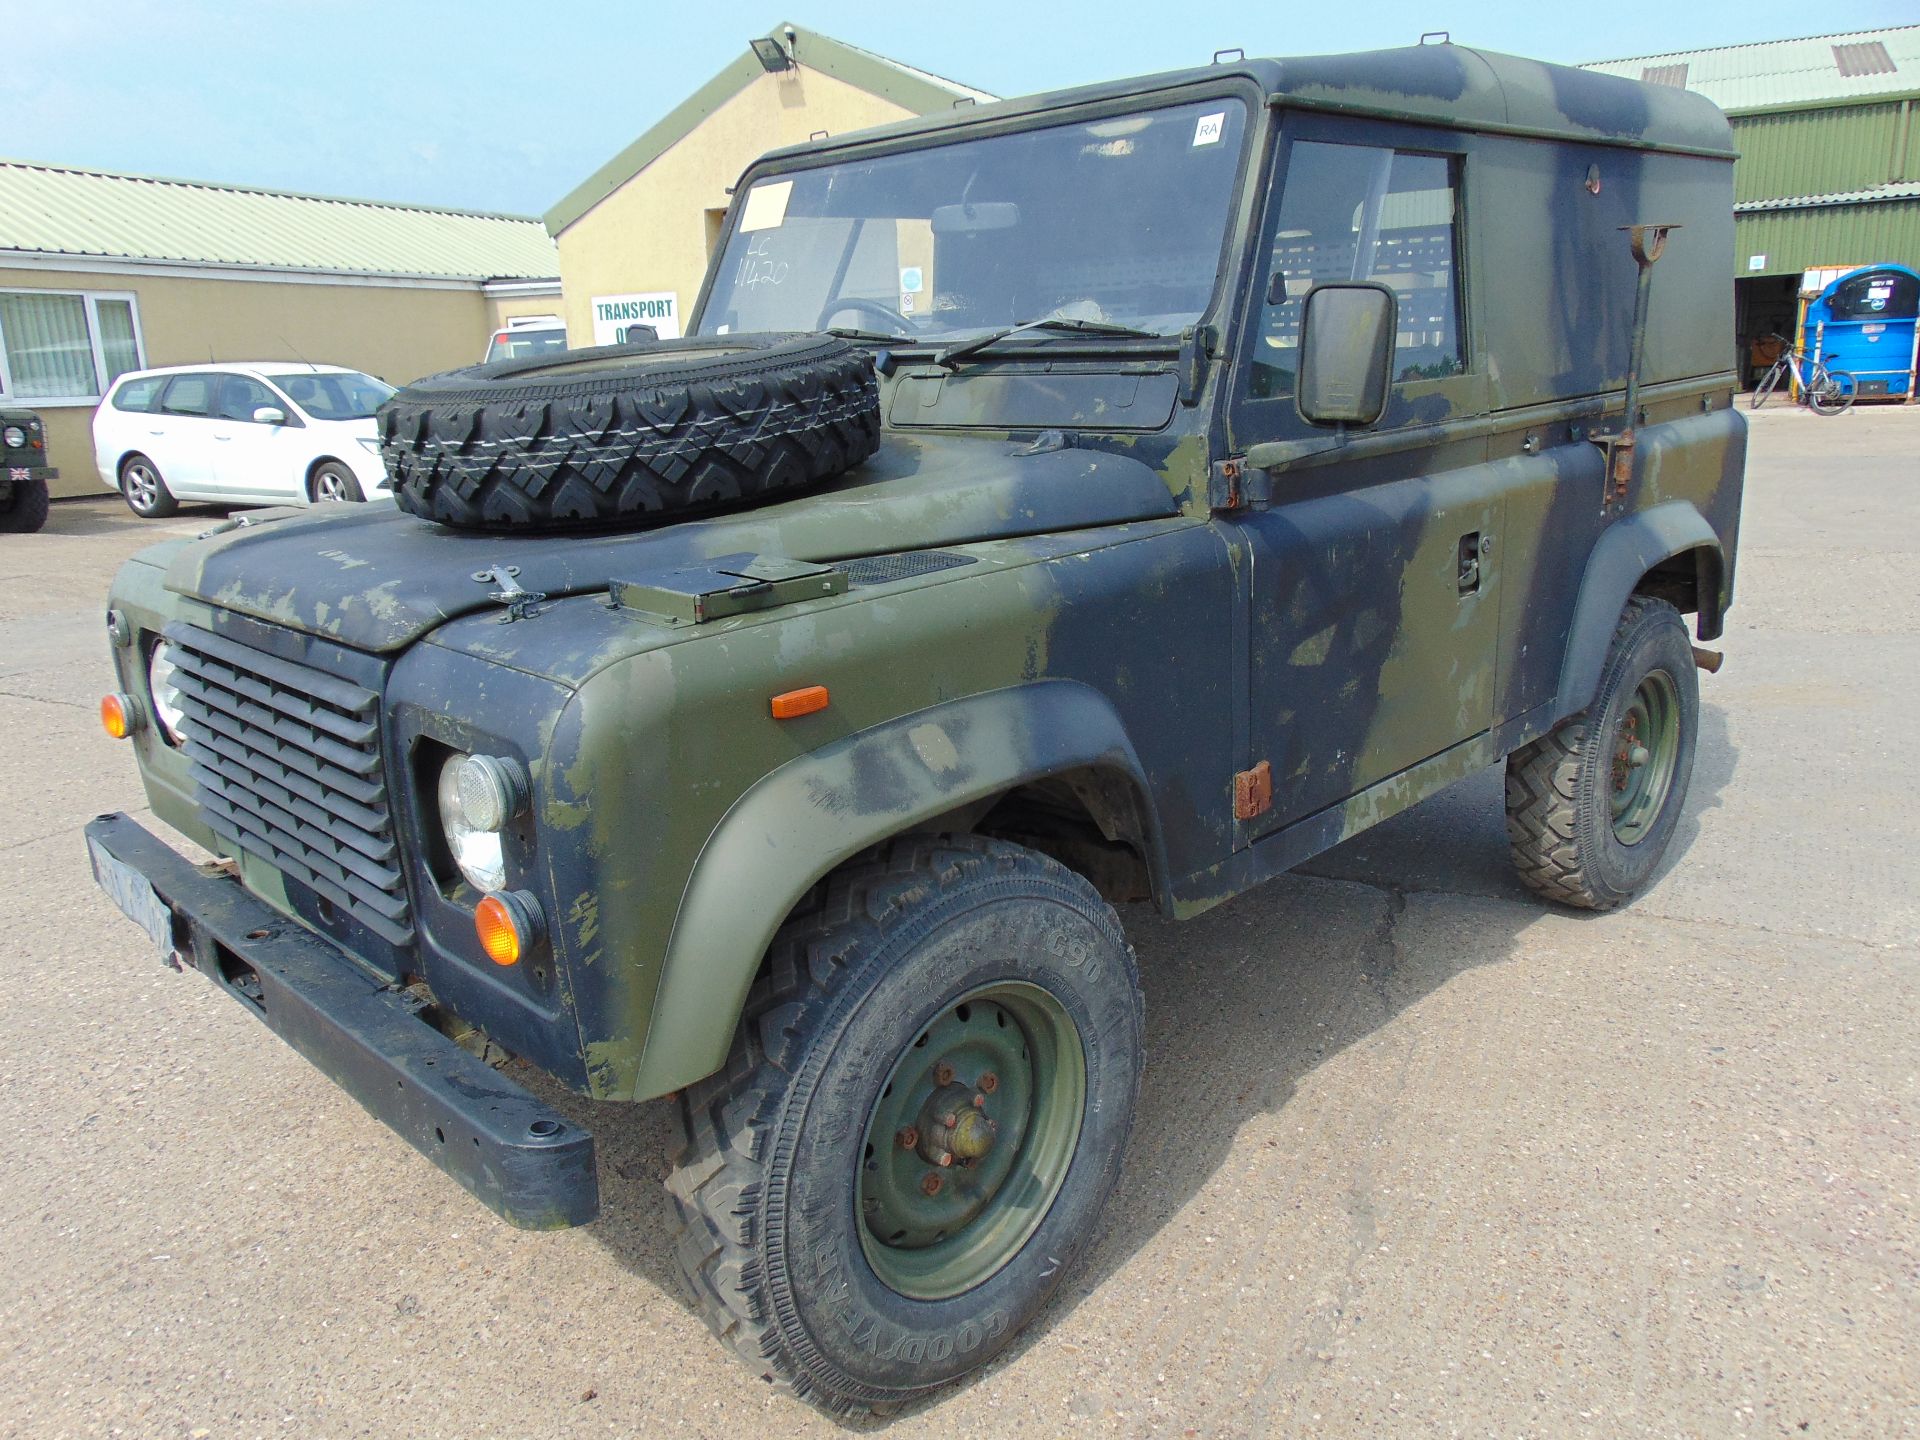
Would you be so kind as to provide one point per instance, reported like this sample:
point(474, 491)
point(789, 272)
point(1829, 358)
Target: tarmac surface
point(1416, 1153)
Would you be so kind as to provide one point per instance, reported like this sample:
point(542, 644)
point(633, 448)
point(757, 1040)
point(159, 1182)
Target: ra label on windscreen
point(1208, 128)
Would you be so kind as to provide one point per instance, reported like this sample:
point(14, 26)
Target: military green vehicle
point(1121, 494)
point(24, 471)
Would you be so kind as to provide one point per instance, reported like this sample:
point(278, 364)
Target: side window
point(240, 397)
point(138, 394)
point(1359, 212)
point(189, 395)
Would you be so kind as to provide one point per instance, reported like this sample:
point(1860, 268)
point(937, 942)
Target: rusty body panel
point(1093, 589)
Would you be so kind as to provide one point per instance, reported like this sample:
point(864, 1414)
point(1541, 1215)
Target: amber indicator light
point(117, 716)
point(499, 936)
point(792, 704)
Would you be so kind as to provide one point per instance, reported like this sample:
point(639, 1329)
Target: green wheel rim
point(997, 1084)
point(1646, 744)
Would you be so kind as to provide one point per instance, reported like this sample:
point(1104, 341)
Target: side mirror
point(269, 415)
point(1347, 333)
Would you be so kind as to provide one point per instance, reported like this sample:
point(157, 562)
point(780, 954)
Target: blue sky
point(506, 106)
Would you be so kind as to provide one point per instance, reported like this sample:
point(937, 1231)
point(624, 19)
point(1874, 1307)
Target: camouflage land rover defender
point(1122, 494)
point(24, 471)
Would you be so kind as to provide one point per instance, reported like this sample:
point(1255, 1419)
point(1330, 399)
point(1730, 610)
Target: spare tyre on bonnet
point(593, 436)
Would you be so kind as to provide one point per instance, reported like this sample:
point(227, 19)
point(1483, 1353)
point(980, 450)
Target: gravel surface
point(1415, 1155)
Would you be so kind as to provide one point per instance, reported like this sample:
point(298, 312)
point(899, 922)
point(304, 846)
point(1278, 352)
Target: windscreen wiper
point(953, 354)
point(872, 337)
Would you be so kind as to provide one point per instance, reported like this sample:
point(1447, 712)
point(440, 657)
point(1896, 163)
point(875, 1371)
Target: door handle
point(1467, 571)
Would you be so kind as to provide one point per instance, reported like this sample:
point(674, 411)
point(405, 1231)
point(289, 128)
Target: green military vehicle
point(1121, 494)
point(24, 471)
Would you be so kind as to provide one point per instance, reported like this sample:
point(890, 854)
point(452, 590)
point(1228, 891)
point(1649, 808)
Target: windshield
point(520, 344)
point(335, 396)
point(1118, 220)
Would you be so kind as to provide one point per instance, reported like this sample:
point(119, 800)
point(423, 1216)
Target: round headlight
point(15, 437)
point(476, 851)
point(491, 790)
point(165, 690)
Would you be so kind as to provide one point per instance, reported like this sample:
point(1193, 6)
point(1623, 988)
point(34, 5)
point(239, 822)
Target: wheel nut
point(946, 1159)
point(907, 1138)
point(979, 1102)
point(1638, 756)
point(989, 1082)
point(931, 1184)
point(943, 1074)
point(951, 1119)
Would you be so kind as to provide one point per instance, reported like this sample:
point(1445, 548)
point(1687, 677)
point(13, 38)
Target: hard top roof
point(1448, 85)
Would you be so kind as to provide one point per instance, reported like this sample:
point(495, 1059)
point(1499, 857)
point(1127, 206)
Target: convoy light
point(165, 690)
point(475, 849)
point(119, 715)
point(15, 437)
point(509, 925)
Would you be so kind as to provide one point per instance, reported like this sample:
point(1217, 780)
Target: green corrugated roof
point(1820, 69)
point(60, 210)
point(911, 89)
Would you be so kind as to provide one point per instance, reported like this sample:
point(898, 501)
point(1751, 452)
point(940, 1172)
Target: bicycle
point(1824, 391)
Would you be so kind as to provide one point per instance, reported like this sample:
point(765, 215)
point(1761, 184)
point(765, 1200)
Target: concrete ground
point(1416, 1154)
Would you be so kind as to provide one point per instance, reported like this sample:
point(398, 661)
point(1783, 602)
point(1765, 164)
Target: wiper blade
point(955, 353)
point(872, 337)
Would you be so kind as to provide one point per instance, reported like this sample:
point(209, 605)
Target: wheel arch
point(1670, 552)
point(944, 767)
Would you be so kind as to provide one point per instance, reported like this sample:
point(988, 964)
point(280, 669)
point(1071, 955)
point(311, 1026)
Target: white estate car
point(240, 434)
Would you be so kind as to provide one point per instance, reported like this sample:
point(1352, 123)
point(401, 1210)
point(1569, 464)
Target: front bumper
point(518, 1156)
point(17, 474)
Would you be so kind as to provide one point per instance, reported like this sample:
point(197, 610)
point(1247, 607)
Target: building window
point(65, 347)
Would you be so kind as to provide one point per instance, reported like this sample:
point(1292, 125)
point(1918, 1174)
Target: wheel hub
point(1646, 743)
point(970, 1139)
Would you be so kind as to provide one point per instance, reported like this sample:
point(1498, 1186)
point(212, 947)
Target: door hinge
point(1252, 791)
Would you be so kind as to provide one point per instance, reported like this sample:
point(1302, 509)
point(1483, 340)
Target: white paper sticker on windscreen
point(1208, 128)
point(766, 205)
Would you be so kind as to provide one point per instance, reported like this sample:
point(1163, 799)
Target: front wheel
point(1769, 382)
point(1591, 806)
point(26, 512)
point(1830, 391)
point(924, 1110)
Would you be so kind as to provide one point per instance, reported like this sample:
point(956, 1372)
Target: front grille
point(286, 765)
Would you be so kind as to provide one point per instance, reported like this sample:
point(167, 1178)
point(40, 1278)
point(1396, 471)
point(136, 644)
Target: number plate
point(19, 472)
point(133, 893)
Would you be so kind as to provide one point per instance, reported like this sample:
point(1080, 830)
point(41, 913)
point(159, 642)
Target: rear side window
point(1357, 212)
point(240, 397)
point(138, 394)
point(189, 395)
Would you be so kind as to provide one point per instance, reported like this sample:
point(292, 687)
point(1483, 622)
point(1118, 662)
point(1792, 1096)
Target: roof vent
point(1674, 75)
point(1870, 58)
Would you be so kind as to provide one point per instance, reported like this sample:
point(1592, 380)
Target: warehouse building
point(634, 237)
point(1828, 179)
point(103, 273)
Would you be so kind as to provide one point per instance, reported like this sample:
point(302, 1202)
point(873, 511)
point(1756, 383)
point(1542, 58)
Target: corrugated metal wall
point(1820, 152)
point(1796, 240)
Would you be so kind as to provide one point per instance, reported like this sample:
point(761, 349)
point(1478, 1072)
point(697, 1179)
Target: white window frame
point(92, 299)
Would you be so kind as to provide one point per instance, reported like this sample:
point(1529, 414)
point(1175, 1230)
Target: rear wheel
point(333, 481)
point(1830, 392)
point(924, 1110)
point(1592, 806)
point(27, 510)
point(146, 492)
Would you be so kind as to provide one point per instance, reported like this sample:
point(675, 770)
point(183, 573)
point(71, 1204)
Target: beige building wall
point(502, 308)
point(396, 332)
point(654, 232)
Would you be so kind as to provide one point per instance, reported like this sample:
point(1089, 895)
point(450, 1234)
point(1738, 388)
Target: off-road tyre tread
point(1545, 820)
point(28, 510)
point(727, 1119)
point(478, 449)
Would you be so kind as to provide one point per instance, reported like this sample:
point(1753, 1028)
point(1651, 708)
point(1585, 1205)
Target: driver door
point(1374, 568)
